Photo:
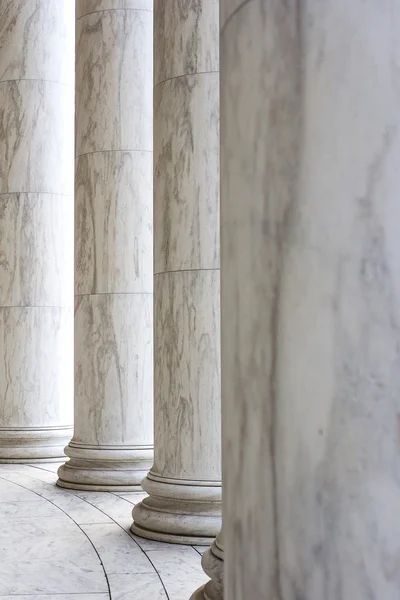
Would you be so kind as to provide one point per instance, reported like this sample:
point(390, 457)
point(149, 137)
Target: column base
point(104, 469)
point(33, 445)
point(204, 593)
point(178, 511)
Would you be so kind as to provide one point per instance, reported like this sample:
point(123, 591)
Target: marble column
point(36, 228)
point(113, 435)
point(213, 565)
point(310, 254)
point(184, 483)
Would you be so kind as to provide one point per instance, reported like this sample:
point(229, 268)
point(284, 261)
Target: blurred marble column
point(184, 483)
point(213, 565)
point(310, 213)
point(36, 228)
point(113, 434)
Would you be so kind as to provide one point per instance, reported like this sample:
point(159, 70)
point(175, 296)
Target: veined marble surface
point(184, 484)
point(36, 227)
point(114, 67)
point(43, 30)
point(36, 230)
point(84, 7)
point(186, 167)
point(113, 432)
point(310, 208)
point(114, 369)
point(36, 129)
point(113, 223)
point(77, 546)
point(36, 374)
point(187, 376)
point(185, 38)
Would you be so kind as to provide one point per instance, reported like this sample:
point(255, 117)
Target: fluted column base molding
point(104, 469)
point(38, 444)
point(213, 565)
point(178, 511)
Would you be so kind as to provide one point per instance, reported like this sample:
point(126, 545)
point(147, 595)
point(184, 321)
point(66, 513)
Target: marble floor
point(62, 545)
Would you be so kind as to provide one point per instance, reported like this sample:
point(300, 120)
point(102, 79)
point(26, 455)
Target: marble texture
point(36, 129)
point(113, 432)
point(187, 40)
point(310, 299)
point(113, 223)
point(43, 30)
point(184, 484)
point(85, 7)
point(36, 228)
point(186, 172)
point(213, 564)
point(187, 376)
point(114, 72)
point(94, 559)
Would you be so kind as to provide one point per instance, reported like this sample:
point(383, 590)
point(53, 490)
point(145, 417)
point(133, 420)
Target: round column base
point(33, 445)
point(213, 565)
point(104, 469)
point(178, 512)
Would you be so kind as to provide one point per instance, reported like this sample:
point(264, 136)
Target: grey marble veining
point(186, 167)
point(113, 223)
point(113, 432)
point(43, 30)
point(113, 107)
point(187, 375)
point(310, 150)
point(36, 129)
point(113, 370)
point(36, 230)
point(184, 484)
point(36, 227)
point(36, 367)
point(84, 7)
point(185, 38)
point(90, 557)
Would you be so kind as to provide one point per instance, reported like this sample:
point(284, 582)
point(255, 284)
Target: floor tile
point(118, 552)
point(133, 497)
point(180, 571)
point(58, 597)
point(10, 491)
point(137, 587)
point(58, 576)
point(112, 505)
point(29, 509)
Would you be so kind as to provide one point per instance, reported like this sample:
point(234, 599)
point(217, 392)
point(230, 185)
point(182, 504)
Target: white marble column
point(213, 565)
point(36, 228)
point(310, 213)
point(113, 433)
point(184, 484)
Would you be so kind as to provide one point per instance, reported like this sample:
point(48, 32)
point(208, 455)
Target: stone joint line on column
point(94, 12)
point(36, 306)
point(186, 271)
point(33, 79)
point(112, 150)
point(41, 193)
point(186, 75)
point(114, 294)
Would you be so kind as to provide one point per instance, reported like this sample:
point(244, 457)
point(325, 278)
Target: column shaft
point(184, 484)
point(310, 179)
point(36, 228)
point(113, 433)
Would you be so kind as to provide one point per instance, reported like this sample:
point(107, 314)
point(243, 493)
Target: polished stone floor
point(77, 545)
